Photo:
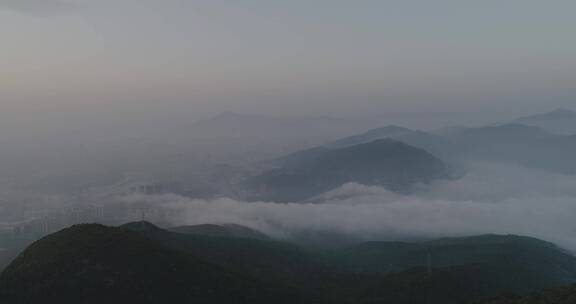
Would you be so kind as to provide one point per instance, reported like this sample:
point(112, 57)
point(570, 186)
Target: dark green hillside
point(142, 263)
point(262, 259)
point(527, 264)
point(420, 285)
point(562, 295)
point(98, 264)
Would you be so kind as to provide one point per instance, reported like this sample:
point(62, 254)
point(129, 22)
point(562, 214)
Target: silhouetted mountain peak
point(432, 143)
point(385, 162)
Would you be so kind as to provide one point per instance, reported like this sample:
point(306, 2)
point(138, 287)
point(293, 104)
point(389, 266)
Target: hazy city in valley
point(297, 152)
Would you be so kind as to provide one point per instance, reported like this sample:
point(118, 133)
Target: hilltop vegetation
point(142, 263)
point(98, 264)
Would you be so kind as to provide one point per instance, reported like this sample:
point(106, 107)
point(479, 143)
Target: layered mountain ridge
point(142, 263)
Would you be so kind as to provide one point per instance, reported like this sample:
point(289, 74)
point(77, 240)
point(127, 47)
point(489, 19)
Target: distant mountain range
point(142, 263)
point(385, 162)
point(501, 133)
point(432, 143)
point(398, 158)
point(525, 145)
point(561, 121)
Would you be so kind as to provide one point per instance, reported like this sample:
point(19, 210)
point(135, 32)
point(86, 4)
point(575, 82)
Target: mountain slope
point(561, 121)
point(562, 295)
point(388, 163)
point(520, 264)
point(434, 144)
point(141, 263)
point(524, 145)
point(371, 135)
point(505, 133)
point(98, 264)
point(266, 260)
point(5, 258)
point(490, 264)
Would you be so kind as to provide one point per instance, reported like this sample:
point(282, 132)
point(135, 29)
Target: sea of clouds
point(491, 198)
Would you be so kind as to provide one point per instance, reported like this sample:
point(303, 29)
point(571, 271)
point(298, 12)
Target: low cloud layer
point(490, 199)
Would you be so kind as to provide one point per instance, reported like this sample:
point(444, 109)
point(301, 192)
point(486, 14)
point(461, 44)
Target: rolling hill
point(435, 144)
point(524, 145)
point(389, 163)
point(522, 263)
point(142, 263)
point(98, 264)
point(561, 121)
point(561, 295)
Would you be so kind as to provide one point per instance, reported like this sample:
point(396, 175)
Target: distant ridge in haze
point(432, 143)
point(391, 131)
point(561, 121)
point(501, 133)
point(387, 162)
point(560, 113)
point(526, 145)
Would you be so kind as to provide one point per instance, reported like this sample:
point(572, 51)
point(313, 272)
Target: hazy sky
point(297, 56)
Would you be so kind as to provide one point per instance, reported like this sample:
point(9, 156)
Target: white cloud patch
point(491, 199)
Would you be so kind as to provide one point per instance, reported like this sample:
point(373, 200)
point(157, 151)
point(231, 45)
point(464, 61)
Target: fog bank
point(492, 198)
